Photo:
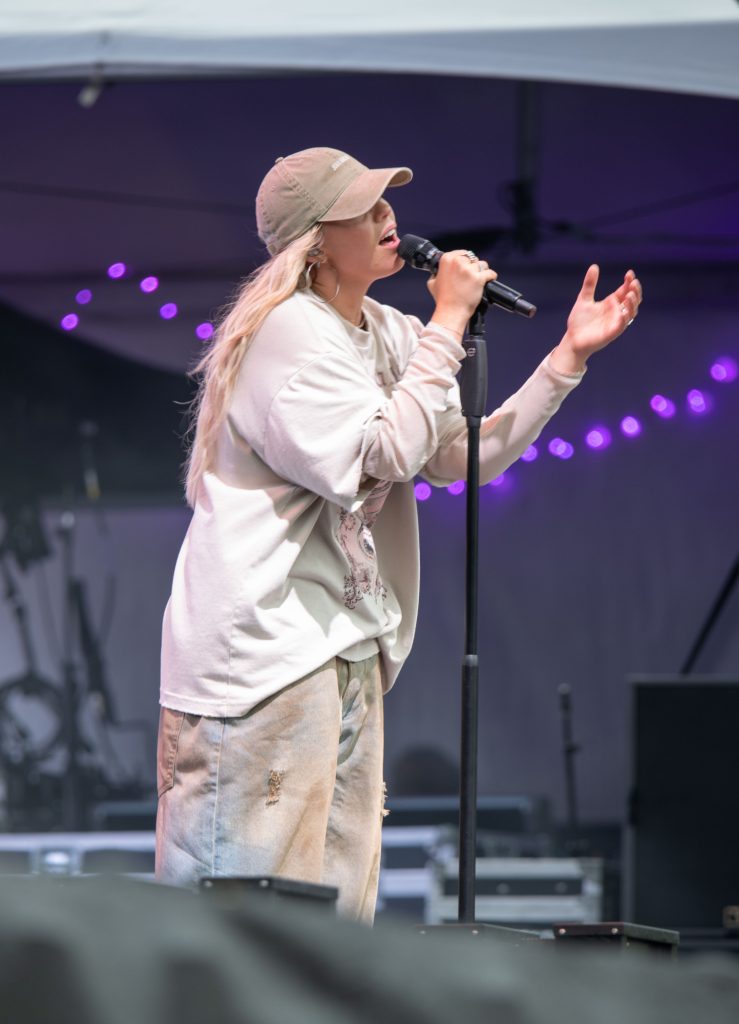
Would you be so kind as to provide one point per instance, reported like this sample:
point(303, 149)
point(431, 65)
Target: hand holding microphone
point(460, 270)
point(457, 288)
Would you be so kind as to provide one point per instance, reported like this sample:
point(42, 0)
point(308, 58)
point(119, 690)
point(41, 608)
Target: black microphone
point(423, 255)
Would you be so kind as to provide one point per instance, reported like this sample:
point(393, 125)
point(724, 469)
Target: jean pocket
point(170, 727)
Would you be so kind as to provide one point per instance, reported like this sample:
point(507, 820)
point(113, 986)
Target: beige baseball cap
point(315, 185)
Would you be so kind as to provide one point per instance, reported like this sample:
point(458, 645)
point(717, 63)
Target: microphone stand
point(718, 605)
point(569, 751)
point(74, 811)
point(473, 390)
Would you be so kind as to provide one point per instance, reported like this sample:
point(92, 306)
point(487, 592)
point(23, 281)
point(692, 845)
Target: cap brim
point(362, 194)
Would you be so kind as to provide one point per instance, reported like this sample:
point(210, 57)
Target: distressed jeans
point(293, 788)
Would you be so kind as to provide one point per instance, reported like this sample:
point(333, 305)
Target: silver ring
point(471, 256)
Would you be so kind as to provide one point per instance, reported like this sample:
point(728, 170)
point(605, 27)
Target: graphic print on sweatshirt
point(355, 538)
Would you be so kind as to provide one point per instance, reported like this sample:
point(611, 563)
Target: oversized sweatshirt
point(303, 544)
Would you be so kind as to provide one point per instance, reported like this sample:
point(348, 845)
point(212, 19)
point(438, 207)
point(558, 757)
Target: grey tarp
point(100, 951)
point(676, 45)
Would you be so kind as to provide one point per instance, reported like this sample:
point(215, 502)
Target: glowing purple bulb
point(205, 331)
point(561, 449)
point(149, 284)
point(699, 402)
point(531, 453)
point(116, 270)
point(725, 370)
point(83, 296)
point(70, 321)
point(168, 310)
point(598, 438)
point(630, 426)
point(457, 487)
point(422, 492)
point(502, 484)
point(664, 407)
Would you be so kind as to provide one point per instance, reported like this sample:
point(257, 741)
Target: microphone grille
point(409, 245)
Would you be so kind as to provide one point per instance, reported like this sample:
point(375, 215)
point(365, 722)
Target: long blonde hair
point(269, 285)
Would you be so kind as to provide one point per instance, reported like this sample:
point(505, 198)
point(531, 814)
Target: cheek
point(357, 250)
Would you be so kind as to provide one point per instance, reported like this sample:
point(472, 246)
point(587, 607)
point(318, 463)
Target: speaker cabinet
point(682, 841)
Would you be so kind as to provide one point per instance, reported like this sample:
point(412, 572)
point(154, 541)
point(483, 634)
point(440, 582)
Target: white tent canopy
point(673, 45)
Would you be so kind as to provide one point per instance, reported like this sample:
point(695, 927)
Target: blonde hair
point(268, 286)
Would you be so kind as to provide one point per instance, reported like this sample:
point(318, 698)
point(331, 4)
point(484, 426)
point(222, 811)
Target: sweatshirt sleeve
point(407, 428)
point(506, 433)
point(331, 429)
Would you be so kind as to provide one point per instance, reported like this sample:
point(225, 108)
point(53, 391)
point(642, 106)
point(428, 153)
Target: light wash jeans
point(294, 788)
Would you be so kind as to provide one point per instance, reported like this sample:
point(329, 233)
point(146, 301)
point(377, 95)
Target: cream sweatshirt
point(303, 543)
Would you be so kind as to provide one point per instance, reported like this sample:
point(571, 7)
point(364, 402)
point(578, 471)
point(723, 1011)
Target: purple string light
point(699, 402)
point(204, 331)
point(70, 321)
point(116, 270)
point(598, 438)
point(457, 487)
point(560, 448)
point(168, 310)
point(149, 284)
point(630, 426)
point(725, 370)
point(664, 407)
point(531, 453)
point(502, 483)
point(83, 296)
point(422, 491)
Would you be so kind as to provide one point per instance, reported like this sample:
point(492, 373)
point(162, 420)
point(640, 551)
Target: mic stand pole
point(73, 801)
point(473, 391)
point(718, 605)
point(575, 845)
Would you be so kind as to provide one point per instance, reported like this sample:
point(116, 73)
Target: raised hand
point(593, 324)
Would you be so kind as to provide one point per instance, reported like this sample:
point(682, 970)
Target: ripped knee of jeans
point(274, 784)
point(385, 810)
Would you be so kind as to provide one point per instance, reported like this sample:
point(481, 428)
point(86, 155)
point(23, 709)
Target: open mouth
point(390, 239)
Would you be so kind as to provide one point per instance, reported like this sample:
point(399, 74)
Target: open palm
point(592, 324)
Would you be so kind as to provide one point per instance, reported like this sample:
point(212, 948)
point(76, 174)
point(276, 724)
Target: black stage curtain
point(52, 384)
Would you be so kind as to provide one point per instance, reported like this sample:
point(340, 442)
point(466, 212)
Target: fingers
point(589, 282)
point(483, 268)
point(460, 279)
point(466, 262)
point(629, 295)
point(458, 267)
point(630, 283)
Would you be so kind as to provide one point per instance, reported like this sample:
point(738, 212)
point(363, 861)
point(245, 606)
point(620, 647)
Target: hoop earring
point(315, 258)
point(338, 286)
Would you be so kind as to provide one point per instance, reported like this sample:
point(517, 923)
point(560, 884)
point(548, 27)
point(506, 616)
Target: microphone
point(423, 255)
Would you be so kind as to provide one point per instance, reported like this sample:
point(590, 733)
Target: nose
point(382, 209)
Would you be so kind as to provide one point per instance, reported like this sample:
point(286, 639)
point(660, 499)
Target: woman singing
point(295, 593)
